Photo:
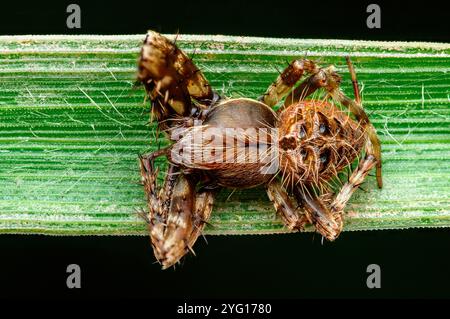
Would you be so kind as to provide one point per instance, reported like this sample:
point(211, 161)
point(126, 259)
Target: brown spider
point(293, 152)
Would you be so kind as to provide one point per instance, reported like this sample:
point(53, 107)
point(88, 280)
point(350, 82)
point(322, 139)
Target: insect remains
point(294, 152)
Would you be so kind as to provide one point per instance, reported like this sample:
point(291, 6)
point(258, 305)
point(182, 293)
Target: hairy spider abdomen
point(317, 140)
point(233, 144)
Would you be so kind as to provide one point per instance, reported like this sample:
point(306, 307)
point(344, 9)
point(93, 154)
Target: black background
point(414, 263)
point(401, 20)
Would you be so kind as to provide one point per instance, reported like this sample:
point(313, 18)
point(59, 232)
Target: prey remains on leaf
point(294, 152)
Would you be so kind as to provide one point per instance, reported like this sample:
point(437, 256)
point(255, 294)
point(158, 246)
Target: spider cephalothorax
point(293, 152)
point(317, 140)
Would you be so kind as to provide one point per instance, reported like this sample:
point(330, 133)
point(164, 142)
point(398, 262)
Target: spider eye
point(303, 153)
point(302, 132)
point(322, 128)
point(324, 157)
point(324, 124)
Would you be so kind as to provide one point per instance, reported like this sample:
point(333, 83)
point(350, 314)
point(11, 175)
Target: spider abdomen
point(232, 145)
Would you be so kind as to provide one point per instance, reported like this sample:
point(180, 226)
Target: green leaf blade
point(72, 125)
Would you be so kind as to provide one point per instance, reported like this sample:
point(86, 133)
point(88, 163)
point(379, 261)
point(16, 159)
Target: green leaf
point(72, 125)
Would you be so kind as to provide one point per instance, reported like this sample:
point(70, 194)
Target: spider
point(299, 148)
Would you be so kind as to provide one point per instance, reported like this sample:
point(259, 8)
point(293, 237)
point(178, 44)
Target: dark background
point(401, 20)
point(414, 263)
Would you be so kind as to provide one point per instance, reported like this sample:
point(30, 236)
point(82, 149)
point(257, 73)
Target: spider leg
point(287, 80)
point(328, 223)
point(204, 201)
point(171, 80)
point(310, 209)
point(355, 180)
point(177, 215)
point(332, 86)
point(289, 213)
point(157, 207)
point(356, 91)
point(310, 85)
point(376, 147)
